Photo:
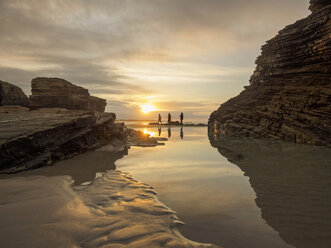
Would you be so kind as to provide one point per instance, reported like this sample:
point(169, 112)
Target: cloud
point(122, 50)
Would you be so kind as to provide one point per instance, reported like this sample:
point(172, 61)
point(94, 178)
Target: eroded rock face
point(12, 95)
point(289, 94)
point(315, 5)
point(59, 93)
point(32, 139)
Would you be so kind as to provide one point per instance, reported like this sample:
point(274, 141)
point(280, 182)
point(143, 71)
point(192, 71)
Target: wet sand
point(81, 203)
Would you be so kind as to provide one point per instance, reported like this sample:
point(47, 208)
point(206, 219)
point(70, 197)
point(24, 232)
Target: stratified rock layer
point(12, 95)
point(32, 139)
point(289, 94)
point(59, 93)
point(315, 5)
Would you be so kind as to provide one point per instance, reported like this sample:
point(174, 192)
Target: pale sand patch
point(113, 211)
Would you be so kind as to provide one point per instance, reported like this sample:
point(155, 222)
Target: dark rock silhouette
point(59, 93)
point(292, 183)
point(12, 95)
point(315, 5)
point(83, 168)
point(289, 94)
point(32, 139)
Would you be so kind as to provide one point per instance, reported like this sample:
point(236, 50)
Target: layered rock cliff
point(59, 93)
point(289, 96)
point(12, 95)
point(32, 139)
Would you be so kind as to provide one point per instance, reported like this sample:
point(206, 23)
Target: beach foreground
point(114, 210)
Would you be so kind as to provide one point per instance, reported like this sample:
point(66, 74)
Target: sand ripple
point(114, 210)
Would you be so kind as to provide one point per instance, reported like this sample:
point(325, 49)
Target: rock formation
point(315, 5)
point(292, 183)
point(59, 93)
point(33, 139)
point(289, 96)
point(12, 95)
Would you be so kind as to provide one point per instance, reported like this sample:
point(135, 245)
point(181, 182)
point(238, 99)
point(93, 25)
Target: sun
point(146, 108)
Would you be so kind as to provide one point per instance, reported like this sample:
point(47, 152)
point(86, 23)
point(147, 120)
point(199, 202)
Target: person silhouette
point(181, 118)
point(160, 131)
point(169, 132)
point(169, 118)
point(159, 120)
point(181, 133)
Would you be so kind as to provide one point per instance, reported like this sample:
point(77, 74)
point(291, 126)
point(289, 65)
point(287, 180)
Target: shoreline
point(69, 194)
point(38, 138)
point(177, 125)
point(112, 210)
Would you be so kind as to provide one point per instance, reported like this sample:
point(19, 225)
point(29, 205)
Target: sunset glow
point(146, 108)
point(151, 134)
point(185, 56)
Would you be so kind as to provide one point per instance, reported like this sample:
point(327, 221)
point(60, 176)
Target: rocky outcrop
point(315, 5)
point(12, 95)
point(32, 139)
point(96, 104)
point(59, 93)
point(292, 183)
point(289, 96)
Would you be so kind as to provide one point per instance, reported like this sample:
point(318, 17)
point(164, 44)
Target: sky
point(176, 55)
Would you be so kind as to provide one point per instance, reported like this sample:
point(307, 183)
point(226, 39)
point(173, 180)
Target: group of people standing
point(181, 116)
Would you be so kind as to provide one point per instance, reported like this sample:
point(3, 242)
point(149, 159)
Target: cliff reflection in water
point(82, 168)
point(292, 184)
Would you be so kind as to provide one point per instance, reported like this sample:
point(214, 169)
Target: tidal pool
point(272, 194)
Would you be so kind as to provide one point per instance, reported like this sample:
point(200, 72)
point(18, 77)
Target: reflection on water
point(271, 194)
point(159, 131)
point(151, 134)
point(292, 184)
point(169, 132)
point(209, 193)
point(82, 168)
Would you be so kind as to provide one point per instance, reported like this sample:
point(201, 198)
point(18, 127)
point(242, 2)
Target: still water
point(272, 194)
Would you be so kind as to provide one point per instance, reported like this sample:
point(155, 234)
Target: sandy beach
point(49, 208)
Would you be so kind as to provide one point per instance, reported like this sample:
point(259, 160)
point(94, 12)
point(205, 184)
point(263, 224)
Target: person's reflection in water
point(160, 131)
point(181, 133)
point(169, 132)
